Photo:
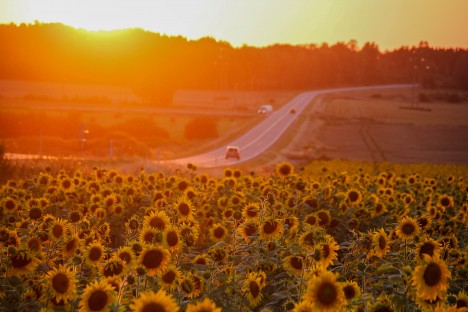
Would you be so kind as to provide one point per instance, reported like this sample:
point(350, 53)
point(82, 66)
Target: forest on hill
point(154, 66)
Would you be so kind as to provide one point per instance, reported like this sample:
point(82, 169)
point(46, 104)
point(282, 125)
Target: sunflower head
point(184, 208)
point(380, 243)
point(170, 277)
point(284, 169)
point(351, 290)
point(113, 267)
point(154, 301)
point(430, 278)
point(270, 229)
point(154, 259)
point(207, 305)
point(408, 228)
point(294, 264)
point(61, 284)
point(325, 293)
point(251, 211)
point(94, 253)
point(218, 232)
point(97, 296)
point(353, 196)
point(252, 288)
point(429, 247)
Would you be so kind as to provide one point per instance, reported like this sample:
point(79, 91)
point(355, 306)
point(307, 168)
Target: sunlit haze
point(389, 24)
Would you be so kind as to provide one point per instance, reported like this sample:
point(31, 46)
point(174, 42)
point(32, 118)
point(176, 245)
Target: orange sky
point(388, 23)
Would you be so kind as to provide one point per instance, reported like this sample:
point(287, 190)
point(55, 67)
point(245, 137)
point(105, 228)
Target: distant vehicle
point(232, 152)
point(292, 111)
point(265, 109)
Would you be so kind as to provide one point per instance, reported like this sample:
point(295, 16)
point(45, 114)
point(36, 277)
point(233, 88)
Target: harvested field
point(369, 129)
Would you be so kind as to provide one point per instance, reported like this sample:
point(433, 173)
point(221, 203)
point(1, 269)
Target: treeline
point(154, 65)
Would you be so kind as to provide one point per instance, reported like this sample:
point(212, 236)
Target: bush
point(423, 98)
point(454, 98)
point(201, 128)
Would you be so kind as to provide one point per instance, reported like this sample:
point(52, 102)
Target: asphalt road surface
point(266, 133)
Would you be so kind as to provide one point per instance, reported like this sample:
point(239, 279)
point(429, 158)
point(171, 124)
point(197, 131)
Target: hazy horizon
point(263, 22)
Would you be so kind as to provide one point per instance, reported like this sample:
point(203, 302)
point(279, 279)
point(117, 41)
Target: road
point(266, 133)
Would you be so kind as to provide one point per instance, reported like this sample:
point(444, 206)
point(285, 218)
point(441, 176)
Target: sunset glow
point(262, 22)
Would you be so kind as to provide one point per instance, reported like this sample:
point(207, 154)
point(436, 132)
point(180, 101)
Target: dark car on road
point(232, 152)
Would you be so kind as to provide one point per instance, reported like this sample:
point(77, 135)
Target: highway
point(267, 132)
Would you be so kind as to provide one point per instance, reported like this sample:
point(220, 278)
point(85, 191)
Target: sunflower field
point(316, 239)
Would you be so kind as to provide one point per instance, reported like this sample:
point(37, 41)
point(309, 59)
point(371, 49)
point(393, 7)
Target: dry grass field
point(367, 127)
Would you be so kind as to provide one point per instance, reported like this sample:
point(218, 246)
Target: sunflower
point(324, 217)
point(169, 278)
point(308, 239)
point(445, 201)
point(328, 250)
point(294, 264)
point(324, 292)
point(431, 305)
point(251, 211)
point(35, 213)
point(74, 216)
point(132, 224)
point(227, 214)
point(184, 208)
point(154, 259)
point(379, 209)
point(154, 301)
point(351, 290)
point(429, 247)
point(70, 246)
point(252, 288)
point(94, 253)
point(115, 282)
point(199, 284)
point(126, 254)
point(311, 219)
point(430, 278)
point(97, 296)
point(190, 192)
point(189, 232)
point(218, 232)
point(408, 228)
point(303, 306)
point(67, 185)
point(201, 259)
point(291, 223)
point(284, 169)
point(157, 220)
point(380, 243)
point(207, 305)
point(113, 267)
point(188, 285)
point(9, 204)
point(61, 284)
point(22, 262)
point(34, 244)
point(353, 196)
point(171, 238)
point(149, 235)
point(58, 229)
point(462, 300)
point(270, 229)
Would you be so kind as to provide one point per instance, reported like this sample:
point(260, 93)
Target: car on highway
point(292, 111)
point(232, 152)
